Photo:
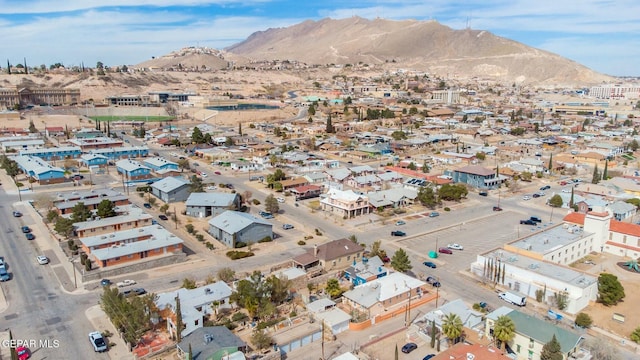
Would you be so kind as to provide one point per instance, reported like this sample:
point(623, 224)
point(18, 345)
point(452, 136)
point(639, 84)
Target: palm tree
point(504, 329)
point(452, 326)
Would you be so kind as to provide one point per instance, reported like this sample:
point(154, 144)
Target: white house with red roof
point(612, 236)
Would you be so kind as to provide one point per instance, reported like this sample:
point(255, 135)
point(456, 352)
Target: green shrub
point(235, 254)
point(190, 228)
point(265, 324)
point(318, 232)
point(239, 316)
point(240, 244)
point(302, 242)
point(200, 237)
point(209, 245)
point(265, 239)
point(447, 209)
point(583, 320)
point(256, 202)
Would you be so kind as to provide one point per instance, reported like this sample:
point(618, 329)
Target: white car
point(455, 247)
point(42, 260)
point(97, 341)
point(280, 200)
point(566, 190)
point(204, 175)
point(526, 197)
point(126, 283)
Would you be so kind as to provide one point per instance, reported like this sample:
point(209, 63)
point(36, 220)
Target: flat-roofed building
point(134, 219)
point(54, 153)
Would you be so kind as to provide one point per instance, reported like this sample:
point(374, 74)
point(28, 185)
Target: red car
point(23, 353)
point(443, 250)
point(217, 173)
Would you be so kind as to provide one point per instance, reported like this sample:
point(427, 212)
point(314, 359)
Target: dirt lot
point(602, 315)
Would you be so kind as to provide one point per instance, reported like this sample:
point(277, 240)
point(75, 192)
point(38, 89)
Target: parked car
point(398, 233)
point(433, 281)
point(287, 226)
point(147, 205)
point(29, 236)
point(566, 191)
point(4, 275)
point(127, 282)
point(26, 229)
point(105, 282)
point(434, 214)
point(139, 291)
point(526, 197)
point(536, 195)
point(444, 250)
point(527, 222)
point(23, 353)
point(17, 214)
point(428, 357)
point(163, 217)
point(497, 208)
point(483, 193)
point(400, 222)
point(455, 246)
point(409, 347)
point(42, 260)
point(535, 219)
point(546, 187)
point(429, 264)
point(217, 172)
point(204, 175)
point(266, 215)
point(97, 341)
point(280, 200)
point(562, 183)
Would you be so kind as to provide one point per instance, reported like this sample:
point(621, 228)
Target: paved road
point(38, 308)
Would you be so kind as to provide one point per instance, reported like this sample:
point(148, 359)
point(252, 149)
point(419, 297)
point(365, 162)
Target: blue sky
point(601, 34)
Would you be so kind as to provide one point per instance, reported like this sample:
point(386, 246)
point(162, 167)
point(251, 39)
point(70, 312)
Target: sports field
point(132, 118)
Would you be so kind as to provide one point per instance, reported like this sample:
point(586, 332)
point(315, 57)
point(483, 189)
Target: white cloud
point(48, 6)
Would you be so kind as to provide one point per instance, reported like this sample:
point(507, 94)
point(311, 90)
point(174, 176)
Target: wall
point(138, 266)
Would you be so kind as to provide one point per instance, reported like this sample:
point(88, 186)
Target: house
point(132, 170)
point(212, 343)
point(478, 177)
point(171, 189)
point(17, 145)
point(66, 207)
point(622, 210)
point(346, 204)
point(159, 164)
point(334, 255)
point(367, 269)
point(392, 198)
point(306, 192)
point(376, 296)
point(211, 204)
point(125, 246)
point(464, 350)
point(470, 318)
point(88, 144)
point(39, 170)
point(92, 160)
point(232, 227)
point(532, 333)
point(293, 183)
point(195, 304)
point(134, 219)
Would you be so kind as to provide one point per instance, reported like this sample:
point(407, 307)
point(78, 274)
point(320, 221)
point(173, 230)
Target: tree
point(596, 175)
point(179, 324)
point(333, 288)
point(552, 350)
point(550, 166)
point(452, 192)
point(184, 164)
point(196, 185)
point(164, 208)
point(246, 196)
point(190, 355)
point(260, 339)
point(398, 135)
point(427, 197)
point(32, 128)
point(330, 128)
point(452, 327)
point(556, 201)
point(80, 213)
point(583, 320)
point(271, 204)
point(63, 226)
point(375, 249)
point(610, 291)
point(226, 274)
point(504, 330)
point(196, 136)
point(106, 209)
point(634, 145)
point(353, 238)
point(602, 349)
point(400, 261)
point(188, 283)
point(605, 172)
point(425, 167)
point(635, 335)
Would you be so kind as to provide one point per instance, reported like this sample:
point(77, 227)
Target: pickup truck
point(125, 283)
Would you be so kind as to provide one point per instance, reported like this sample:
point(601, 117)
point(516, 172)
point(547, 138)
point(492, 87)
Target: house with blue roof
point(232, 227)
point(124, 152)
point(171, 189)
point(39, 170)
point(367, 269)
point(133, 170)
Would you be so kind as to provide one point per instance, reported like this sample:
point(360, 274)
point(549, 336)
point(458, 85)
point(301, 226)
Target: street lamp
point(75, 280)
